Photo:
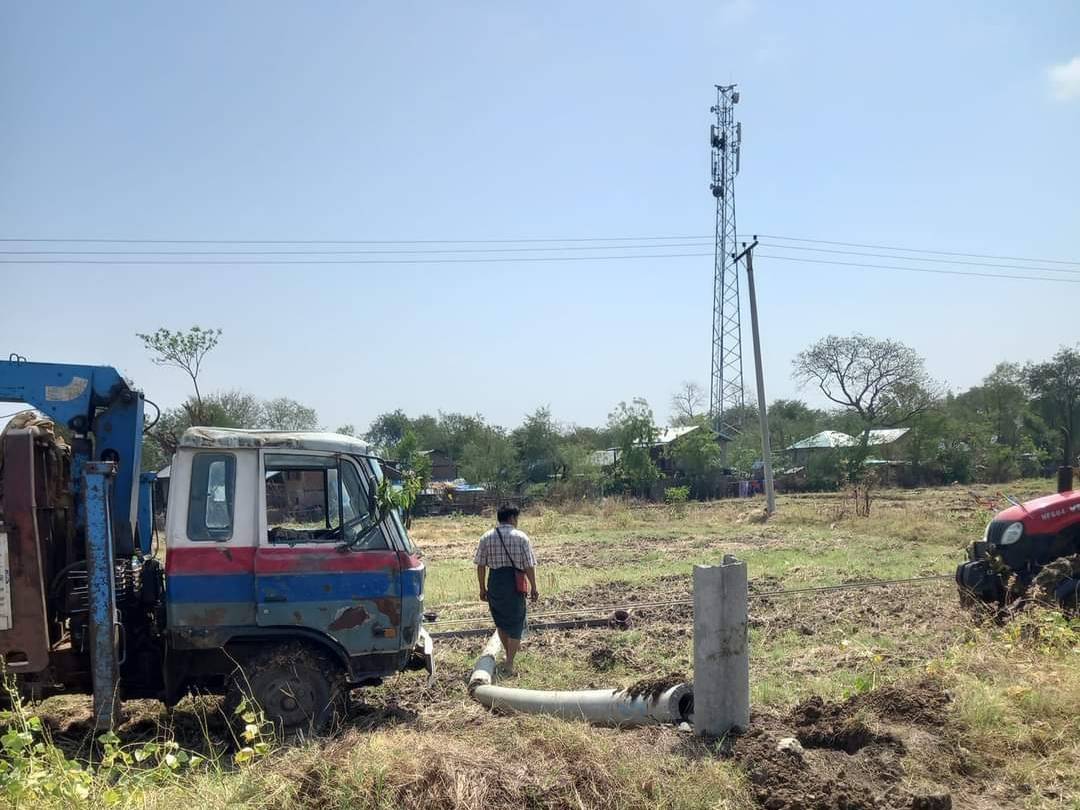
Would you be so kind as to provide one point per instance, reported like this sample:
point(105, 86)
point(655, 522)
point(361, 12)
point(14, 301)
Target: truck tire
point(300, 690)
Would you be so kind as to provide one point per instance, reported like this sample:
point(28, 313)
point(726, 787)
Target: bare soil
point(850, 757)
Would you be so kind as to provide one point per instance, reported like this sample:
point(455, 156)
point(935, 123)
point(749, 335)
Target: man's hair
point(507, 512)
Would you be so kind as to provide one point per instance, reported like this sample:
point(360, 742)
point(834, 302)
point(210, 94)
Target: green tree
point(407, 453)
point(1055, 385)
point(489, 459)
point(183, 350)
point(536, 443)
point(634, 432)
point(283, 413)
point(387, 430)
point(699, 458)
point(791, 420)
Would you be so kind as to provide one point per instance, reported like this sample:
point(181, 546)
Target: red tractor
point(1030, 550)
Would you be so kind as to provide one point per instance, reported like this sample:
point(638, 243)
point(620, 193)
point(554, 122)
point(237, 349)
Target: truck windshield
point(317, 499)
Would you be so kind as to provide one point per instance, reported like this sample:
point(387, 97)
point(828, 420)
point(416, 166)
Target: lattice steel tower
point(726, 390)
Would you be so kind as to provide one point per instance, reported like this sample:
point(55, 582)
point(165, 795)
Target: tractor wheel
point(300, 690)
point(1068, 596)
point(1056, 582)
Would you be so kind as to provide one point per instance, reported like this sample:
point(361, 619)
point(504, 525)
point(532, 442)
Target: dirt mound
point(652, 688)
point(834, 726)
point(846, 757)
point(923, 703)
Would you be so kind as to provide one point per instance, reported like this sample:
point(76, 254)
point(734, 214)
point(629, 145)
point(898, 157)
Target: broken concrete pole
point(721, 648)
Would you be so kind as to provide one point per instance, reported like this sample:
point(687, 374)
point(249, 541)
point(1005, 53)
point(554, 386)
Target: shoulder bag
point(520, 581)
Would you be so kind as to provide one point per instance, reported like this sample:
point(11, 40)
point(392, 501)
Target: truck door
point(322, 562)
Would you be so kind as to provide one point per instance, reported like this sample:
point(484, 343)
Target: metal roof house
point(833, 439)
point(664, 437)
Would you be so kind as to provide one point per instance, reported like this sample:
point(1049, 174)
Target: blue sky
point(951, 127)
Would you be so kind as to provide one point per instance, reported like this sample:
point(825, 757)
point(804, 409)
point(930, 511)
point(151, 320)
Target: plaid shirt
point(490, 552)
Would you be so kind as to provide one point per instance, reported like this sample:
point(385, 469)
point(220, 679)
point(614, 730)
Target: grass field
point(898, 696)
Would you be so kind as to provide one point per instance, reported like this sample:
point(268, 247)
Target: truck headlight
point(1011, 534)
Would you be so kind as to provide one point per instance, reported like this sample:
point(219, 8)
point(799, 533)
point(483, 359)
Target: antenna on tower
point(726, 392)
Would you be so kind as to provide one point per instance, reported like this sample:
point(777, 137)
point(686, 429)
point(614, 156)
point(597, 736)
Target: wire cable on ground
point(609, 609)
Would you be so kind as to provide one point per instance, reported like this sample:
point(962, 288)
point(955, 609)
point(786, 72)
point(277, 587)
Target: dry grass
point(1010, 737)
point(510, 762)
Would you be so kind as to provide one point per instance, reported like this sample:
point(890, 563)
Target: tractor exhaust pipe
point(1065, 479)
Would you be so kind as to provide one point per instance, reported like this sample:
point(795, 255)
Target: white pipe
point(484, 671)
point(611, 707)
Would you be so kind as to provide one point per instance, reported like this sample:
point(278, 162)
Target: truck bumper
point(423, 655)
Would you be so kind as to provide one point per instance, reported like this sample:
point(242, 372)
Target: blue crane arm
point(105, 414)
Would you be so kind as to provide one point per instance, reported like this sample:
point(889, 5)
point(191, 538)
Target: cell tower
point(726, 390)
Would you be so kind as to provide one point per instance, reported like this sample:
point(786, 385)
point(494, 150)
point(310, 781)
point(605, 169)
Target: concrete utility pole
point(763, 413)
point(721, 649)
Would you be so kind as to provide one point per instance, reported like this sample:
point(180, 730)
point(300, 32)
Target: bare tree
point(182, 350)
point(883, 381)
point(288, 414)
point(687, 404)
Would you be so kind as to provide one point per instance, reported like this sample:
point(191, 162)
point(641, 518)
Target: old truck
point(280, 579)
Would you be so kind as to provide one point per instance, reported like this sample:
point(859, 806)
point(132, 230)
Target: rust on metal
point(391, 607)
point(349, 618)
point(25, 647)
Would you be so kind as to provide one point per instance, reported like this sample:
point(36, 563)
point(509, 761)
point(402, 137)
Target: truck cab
point(278, 559)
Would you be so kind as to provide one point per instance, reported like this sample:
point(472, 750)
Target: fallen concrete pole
point(610, 707)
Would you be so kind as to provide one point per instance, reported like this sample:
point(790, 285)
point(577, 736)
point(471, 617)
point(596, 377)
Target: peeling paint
point(348, 618)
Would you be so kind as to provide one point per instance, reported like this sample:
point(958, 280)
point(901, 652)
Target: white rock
point(790, 745)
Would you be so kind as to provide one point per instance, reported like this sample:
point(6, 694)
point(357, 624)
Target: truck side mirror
point(372, 495)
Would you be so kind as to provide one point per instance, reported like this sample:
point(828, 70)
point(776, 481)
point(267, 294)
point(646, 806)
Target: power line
point(866, 266)
point(920, 250)
point(68, 240)
point(355, 261)
point(580, 241)
point(658, 246)
point(514, 259)
point(80, 254)
point(926, 259)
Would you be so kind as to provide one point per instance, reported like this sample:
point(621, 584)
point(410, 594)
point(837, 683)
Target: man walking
point(507, 552)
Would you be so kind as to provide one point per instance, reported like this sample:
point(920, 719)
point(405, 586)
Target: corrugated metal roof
point(830, 439)
point(669, 434)
point(823, 440)
point(886, 436)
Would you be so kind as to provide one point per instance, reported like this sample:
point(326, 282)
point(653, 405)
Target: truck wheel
point(300, 690)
